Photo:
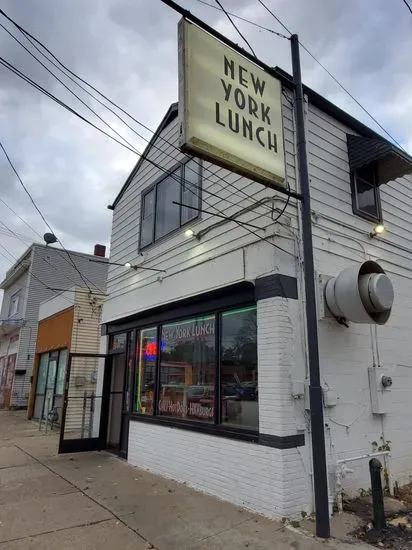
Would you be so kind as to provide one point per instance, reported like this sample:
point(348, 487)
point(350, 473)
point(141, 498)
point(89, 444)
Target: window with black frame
point(365, 193)
point(160, 213)
point(195, 355)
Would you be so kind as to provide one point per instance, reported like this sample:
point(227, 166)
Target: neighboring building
point(216, 344)
point(68, 323)
point(40, 273)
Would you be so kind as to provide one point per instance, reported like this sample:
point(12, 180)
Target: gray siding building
point(37, 276)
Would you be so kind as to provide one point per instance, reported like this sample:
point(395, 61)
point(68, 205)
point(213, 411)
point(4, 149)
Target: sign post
point(231, 114)
point(320, 478)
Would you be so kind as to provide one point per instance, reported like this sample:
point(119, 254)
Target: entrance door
point(116, 427)
point(6, 381)
point(85, 403)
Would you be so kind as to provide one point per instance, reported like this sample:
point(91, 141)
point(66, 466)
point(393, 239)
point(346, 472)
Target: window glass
point(118, 342)
point(239, 371)
point(14, 304)
point(146, 368)
point(167, 213)
point(148, 211)
point(187, 369)
point(42, 373)
point(366, 197)
point(61, 372)
point(190, 190)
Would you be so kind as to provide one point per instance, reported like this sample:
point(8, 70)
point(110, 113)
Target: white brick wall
point(266, 480)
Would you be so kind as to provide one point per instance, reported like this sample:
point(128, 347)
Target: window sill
point(249, 436)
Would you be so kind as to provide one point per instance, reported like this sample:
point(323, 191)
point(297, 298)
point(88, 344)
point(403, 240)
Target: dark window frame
point(180, 166)
point(217, 423)
point(354, 189)
point(15, 295)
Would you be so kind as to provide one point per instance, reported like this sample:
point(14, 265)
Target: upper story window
point(365, 193)
point(14, 304)
point(159, 215)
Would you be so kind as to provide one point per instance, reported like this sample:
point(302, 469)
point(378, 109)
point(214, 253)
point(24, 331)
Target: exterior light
point(377, 230)
point(127, 264)
point(189, 232)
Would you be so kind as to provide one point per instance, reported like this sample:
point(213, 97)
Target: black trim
point(240, 294)
point(355, 208)
point(180, 179)
point(274, 441)
point(276, 285)
point(18, 372)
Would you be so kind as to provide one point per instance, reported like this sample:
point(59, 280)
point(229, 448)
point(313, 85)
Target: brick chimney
point(100, 250)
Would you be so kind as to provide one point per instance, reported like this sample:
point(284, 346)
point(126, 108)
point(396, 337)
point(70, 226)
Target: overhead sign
point(229, 108)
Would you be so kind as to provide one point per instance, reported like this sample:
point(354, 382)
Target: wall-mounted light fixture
point(189, 233)
point(378, 229)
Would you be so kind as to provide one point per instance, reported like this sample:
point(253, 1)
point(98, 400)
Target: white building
point(39, 274)
point(215, 344)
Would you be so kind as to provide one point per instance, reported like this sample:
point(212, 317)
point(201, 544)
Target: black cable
point(27, 35)
point(41, 214)
point(20, 218)
point(32, 274)
point(245, 20)
point(235, 27)
point(65, 86)
point(334, 78)
point(73, 111)
point(273, 15)
point(407, 5)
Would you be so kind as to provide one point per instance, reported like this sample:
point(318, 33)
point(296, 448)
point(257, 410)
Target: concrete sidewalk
point(95, 500)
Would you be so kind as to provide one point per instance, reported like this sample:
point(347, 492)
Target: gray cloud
point(128, 49)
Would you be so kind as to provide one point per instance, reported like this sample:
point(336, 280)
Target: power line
point(263, 28)
point(60, 66)
point(20, 218)
point(54, 98)
point(407, 5)
point(235, 27)
point(31, 274)
point(334, 78)
point(65, 85)
point(41, 214)
point(273, 15)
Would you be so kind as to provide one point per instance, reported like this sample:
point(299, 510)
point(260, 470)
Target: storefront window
point(192, 364)
point(239, 372)
point(146, 370)
point(187, 369)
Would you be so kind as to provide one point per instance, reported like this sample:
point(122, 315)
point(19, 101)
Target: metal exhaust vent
point(360, 294)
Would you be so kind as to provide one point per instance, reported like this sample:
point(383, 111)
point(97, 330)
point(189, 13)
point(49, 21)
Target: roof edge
point(170, 115)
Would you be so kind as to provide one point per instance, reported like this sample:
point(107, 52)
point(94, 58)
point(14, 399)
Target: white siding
point(340, 240)
point(227, 253)
point(176, 253)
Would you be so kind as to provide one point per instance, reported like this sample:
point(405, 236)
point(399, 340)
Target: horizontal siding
point(222, 192)
point(51, 267)
point(86, 322)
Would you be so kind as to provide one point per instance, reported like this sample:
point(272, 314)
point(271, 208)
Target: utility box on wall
point(380, 383)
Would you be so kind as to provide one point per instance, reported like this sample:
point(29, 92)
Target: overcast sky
point(128, 49)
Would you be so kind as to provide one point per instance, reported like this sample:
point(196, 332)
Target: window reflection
point(239, 374)
point(146, 370)
point(187, 369)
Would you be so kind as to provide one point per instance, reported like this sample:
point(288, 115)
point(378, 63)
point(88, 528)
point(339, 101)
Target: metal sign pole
point(315, 391)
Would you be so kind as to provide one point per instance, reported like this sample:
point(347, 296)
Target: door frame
point(95, 443)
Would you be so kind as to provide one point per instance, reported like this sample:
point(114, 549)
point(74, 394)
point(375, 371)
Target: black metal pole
point(315, 391)
point(375, 468)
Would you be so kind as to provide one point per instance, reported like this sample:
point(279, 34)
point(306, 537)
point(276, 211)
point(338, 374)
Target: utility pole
point(320, 479)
